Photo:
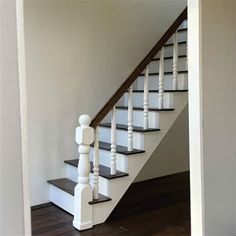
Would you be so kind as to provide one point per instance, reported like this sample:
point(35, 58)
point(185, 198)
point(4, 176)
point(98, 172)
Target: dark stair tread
point(68, 186)
point(125, 127)
point(157, 91)
point(101, 199)
point(141, 109)
point(166, 73)
point(171, 44)
point(167, 58)
point(184, 29)
point(104, 171)
point(119, 149)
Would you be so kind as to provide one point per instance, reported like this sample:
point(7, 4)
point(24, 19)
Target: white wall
point(78, 53)
point(172, 154)
point(219, 115)
point(14, 217)
point(212, 116)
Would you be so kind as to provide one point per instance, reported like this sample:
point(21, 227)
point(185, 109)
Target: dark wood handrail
point(134, 75)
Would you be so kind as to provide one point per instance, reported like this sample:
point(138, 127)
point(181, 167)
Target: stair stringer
point(117, 187)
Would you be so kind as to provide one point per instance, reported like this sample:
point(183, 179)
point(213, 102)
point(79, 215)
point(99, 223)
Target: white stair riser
point(72, 174)
point(153, 100)
point(184, 25)
point(62, 199)
point(182, 82)
point(182, 36)
point(122, 137)
point(168, 65)
point(153, 118)
point(169, 51)
point(105, 159)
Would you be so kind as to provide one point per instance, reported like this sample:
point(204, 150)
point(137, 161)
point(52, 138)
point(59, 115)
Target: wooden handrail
point(134, 75)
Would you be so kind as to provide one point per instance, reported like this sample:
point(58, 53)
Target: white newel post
point(96, 165)
point(145, 99)
point(130, 119)
point(175, 60)
point(161, 78)
point(113, 141)
point(83, 211)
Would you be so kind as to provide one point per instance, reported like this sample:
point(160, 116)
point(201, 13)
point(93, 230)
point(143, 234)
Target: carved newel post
point(83, 211)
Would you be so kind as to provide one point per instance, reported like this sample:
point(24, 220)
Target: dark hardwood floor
point(151, 208)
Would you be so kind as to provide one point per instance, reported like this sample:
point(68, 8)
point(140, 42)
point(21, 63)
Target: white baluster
point(130, 120)
point(96, 165)
point(161, 78)
point(83, 212)
point(175, 60)
point(145, 99)
point(113, 141)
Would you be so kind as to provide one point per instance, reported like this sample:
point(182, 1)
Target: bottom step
point(61, 193)
point(68, 186)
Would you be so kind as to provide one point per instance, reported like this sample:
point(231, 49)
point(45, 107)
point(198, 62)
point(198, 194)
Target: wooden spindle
point(83, 212)
point(113, 141)
point(175, 60)
point(161, 78)
point(130, 119)
point(96, 165)
point(145, 99)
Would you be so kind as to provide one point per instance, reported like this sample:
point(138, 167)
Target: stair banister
point(175, 60)
point(130, 119)
point(145, 99)
point(96, 164)
point(161, 79)
point(138, 70)
point(113, 141)
point(83, 212)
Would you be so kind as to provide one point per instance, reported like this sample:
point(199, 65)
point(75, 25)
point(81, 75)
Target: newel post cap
point(84, 120)
point(84, 133)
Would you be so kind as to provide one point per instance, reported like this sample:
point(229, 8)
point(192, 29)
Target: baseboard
point(162, 177)
point(36, 207)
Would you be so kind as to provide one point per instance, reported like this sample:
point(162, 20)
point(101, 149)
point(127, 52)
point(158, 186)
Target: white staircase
point(125, 139)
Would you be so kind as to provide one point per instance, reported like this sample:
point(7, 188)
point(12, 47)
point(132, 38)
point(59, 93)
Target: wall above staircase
point(80, 51)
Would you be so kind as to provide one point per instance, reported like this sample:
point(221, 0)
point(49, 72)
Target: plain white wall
point(212, 96)
point(77, 54)
point(172, 154)
point(13, 215)
point(219, 115)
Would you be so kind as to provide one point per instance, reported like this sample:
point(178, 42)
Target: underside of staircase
point(127, 136)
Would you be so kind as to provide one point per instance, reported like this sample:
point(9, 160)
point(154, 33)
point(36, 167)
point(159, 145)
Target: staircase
point(126, 131)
